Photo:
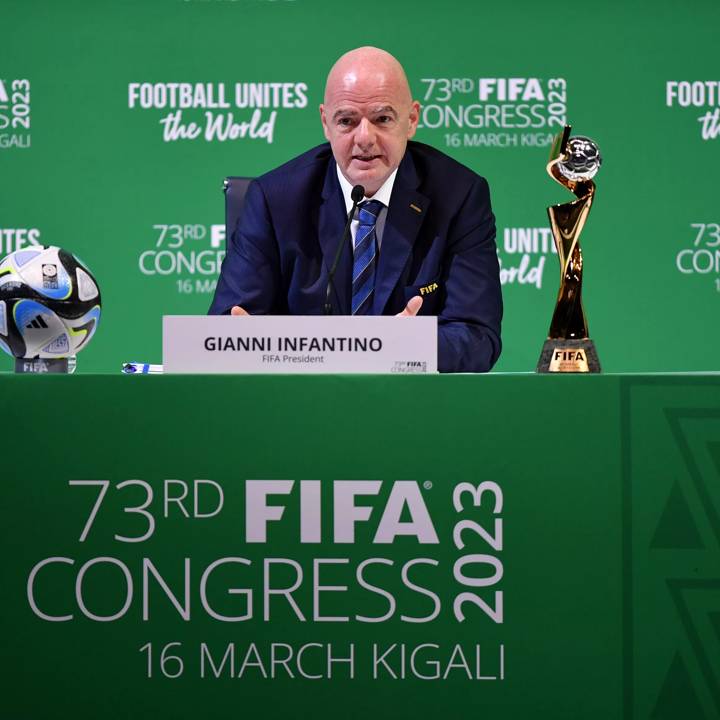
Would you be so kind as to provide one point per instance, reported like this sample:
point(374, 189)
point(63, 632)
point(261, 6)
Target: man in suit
point(422, 243)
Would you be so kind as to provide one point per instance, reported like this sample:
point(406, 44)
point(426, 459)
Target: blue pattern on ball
point(25, 311)
point(22, 257)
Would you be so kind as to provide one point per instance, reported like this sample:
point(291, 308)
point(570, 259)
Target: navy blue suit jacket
point(438, 242)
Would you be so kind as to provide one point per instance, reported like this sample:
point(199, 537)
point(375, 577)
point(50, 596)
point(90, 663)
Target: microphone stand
point(357, 194)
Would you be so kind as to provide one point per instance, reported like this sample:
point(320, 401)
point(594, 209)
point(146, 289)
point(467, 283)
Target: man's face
point(368, 118)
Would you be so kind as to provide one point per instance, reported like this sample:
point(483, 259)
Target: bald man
point(422, 240)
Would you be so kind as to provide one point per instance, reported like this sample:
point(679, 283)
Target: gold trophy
point(573, 163)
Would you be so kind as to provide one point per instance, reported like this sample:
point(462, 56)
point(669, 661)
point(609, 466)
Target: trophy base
point(568, 356)
point(37, 366)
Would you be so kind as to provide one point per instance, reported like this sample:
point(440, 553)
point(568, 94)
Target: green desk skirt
point(353, 547)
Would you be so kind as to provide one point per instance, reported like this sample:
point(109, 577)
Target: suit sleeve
point(250, 273)
point(469, 323)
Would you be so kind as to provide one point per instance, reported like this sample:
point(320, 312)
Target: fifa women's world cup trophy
point(573, 163)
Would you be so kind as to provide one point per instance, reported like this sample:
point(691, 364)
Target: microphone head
point(357, 194)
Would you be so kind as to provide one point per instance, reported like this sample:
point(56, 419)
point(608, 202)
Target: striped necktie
point(363, 285)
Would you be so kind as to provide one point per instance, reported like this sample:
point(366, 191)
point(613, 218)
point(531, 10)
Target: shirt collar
point(383, 194)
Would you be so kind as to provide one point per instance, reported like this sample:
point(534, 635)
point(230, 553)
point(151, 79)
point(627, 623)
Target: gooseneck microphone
point(357, 194)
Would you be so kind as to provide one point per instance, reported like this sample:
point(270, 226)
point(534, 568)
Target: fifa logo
point(569, 356)
point(510, 90)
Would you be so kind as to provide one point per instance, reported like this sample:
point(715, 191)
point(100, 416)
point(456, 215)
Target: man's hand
point(412, 308)
point(237, 310)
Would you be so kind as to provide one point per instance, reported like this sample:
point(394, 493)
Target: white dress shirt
point(382, 195)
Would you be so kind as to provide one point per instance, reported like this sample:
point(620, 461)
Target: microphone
point(357, 194)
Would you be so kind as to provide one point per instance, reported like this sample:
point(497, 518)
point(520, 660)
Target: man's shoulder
point(433, 163)
point(308, 167)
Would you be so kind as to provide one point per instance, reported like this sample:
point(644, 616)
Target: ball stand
point(46, 365)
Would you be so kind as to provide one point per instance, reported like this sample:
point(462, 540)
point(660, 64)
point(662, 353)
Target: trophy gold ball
point(574, 162)
point(583, 159)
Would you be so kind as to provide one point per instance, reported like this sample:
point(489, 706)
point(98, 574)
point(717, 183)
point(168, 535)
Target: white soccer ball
point(49, 303)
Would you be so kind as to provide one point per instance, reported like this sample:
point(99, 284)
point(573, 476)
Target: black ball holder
point(39, 366)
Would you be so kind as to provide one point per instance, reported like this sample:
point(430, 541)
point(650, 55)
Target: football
point(49, 303)
point(583, 159)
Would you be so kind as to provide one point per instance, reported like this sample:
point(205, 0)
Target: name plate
point(299, 344)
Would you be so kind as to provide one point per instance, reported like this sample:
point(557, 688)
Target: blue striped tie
point(363, 285)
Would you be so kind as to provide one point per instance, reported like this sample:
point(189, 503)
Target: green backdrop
point(84, 166)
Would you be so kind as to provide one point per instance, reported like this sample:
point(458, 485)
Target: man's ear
point(323, 120)
point(414, 118)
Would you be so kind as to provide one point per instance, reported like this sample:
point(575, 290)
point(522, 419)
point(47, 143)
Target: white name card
point(299, 344)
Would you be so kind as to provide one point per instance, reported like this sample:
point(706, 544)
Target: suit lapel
point(331, 223)
point(405, 216)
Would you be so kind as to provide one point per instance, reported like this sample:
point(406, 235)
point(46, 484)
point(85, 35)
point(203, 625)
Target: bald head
point(366, 63)
point(368, 115)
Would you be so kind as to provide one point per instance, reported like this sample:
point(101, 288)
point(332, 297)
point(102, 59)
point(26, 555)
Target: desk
point(588, 572)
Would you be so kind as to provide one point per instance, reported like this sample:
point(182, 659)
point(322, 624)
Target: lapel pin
point(415, 208)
